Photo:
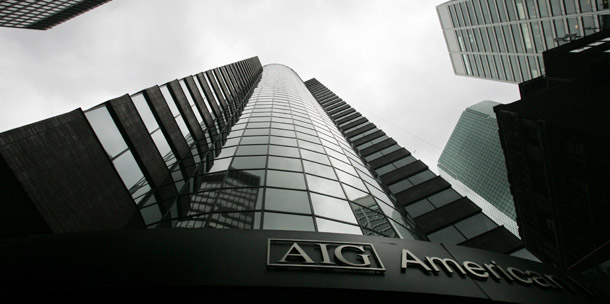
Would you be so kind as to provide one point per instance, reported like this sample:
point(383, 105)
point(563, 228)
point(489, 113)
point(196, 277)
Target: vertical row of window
point(179, 166)
point(357, 133)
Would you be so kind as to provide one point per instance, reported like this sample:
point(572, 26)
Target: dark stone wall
point(67, 176)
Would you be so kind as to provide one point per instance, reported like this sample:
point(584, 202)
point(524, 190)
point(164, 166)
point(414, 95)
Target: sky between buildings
point(386, 58)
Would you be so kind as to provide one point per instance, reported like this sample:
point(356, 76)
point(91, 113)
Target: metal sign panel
point(323, 255)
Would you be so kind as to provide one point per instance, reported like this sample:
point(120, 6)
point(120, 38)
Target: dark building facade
point(556, 142)
point(286, 170)
point(41, 14)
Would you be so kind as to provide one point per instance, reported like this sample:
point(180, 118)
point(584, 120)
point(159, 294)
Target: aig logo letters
point(322, 254)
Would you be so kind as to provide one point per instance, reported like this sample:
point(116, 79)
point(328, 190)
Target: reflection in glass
point(280, 221)
point(331, 207)
point(325, 186)
point(106, 131)
point(249, 162)
point(285, 179)
point(325, 225)
point(283, 151)
point(318, 169)
point(130, 174)
point(144, 110)
point(287, 200)
point(372, 220)
point(283, 163)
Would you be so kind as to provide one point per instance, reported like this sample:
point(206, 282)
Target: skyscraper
point(504, 39)
point(210, 151)
point(41, 14)
point(473, 162)
point(288, 172)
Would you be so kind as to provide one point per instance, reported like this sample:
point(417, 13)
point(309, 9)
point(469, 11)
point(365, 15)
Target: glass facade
point(282, 162)
point(504, 39)
point(473, 161)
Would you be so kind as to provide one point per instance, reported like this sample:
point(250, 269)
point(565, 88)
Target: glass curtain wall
point(286, 166)
point(515, 31)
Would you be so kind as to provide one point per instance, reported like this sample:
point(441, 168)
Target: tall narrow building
point(504, 39)
point(473, 162)
point(307, 197)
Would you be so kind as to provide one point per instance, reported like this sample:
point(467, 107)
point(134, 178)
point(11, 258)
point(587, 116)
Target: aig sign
point(322, 254)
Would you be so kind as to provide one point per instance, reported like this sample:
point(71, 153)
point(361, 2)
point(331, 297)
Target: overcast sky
point(387, 59)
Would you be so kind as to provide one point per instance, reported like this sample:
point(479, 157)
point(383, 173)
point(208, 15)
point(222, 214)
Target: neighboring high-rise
point(42, 14)
point(504, 39)
point(556, 142)
point(305, 193)
point(473, 162)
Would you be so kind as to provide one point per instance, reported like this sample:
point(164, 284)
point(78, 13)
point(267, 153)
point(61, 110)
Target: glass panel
point(351, 180)
point(548, 34)
point(531, 8)
point(556, 7)
point(252, 132)
point(570, 6)
point(544, 10)
point(418, 208)
point(586, 6)
point(279, 221)
point(284, 141)
point(510, 8)
point(318, 169)
point(144, 110)
point(444, 197)
point(332, 208)
point(325, 186)
point(475, 225)
point(287, 200)
point(252, 162)
point(588, 25)
point(128, 169)
point(282, 163)
point(285, 179)
point(169, 100)
point(313, 156)
point(253, 140)
point(521, 10)
point(537, 37)
point(448, 235)
point(325, 225)
point(251, 150)
point(106, 131)
point(573, 27)
point(283, 151)
point(400, 186)
point(163, 147)
point(421, 177)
